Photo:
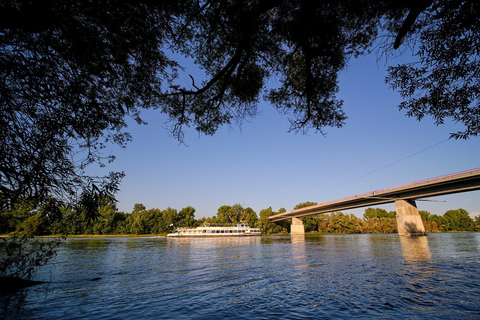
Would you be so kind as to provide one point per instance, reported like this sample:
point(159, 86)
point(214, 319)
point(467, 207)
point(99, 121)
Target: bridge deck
point(463, 181)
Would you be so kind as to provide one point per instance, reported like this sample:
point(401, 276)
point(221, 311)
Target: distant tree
point(459, 220)
point(249, 216)
point(441, 222)
point(424, 214)
point(285, 224)
point(110, 221)
point(186, 217)
point(378, 213)
point(345, 223)
point(388, 225)
point(338, 223)
point(224, 214)
point(431, 226)
point(168, 217)
point(142, 221)
point(310, 223)
point(138, 207)
point(34, 225)
point(477, 223)
point(235, 213)
point(267, 226)
point(370, 213)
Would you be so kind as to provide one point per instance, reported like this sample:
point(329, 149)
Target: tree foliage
point(71, 73)
point(267, 227)
point(25, 222)
point(444, 81)
point(378, 213)
point(459, 220)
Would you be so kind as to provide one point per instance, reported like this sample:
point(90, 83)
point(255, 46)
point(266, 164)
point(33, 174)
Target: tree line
point(377, 220)
point(23, 220)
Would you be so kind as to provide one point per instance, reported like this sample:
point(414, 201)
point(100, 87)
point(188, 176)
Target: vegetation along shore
point(142, 221)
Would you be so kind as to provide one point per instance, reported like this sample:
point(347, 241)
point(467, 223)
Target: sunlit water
point(268, 277)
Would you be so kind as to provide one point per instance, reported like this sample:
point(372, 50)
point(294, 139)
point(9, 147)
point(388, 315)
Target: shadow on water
point(11, 304)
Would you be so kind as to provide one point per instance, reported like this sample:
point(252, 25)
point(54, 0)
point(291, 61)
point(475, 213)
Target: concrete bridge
point(409, 221)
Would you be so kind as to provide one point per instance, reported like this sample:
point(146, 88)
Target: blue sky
point(260, 164)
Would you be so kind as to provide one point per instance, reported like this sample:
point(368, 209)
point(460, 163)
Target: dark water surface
point(268, 277)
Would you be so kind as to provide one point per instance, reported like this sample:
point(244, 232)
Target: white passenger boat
point(217, 230)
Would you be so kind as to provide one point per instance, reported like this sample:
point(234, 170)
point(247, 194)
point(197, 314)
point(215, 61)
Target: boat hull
point(176, 235)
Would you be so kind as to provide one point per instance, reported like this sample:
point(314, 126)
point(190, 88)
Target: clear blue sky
point(260, 164)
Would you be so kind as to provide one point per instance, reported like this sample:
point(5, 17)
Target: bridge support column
point(297, 226)
point(409, 221)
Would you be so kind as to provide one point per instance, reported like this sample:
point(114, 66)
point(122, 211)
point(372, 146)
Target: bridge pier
point(409, 221)
point(297, 226)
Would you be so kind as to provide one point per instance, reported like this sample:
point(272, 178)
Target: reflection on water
point(421, 272)
point(415, 249)
point(304, 276)
point(298, 250)
point(298, 239)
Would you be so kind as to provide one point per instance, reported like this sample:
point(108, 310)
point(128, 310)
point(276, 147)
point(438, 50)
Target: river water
point(268, 277)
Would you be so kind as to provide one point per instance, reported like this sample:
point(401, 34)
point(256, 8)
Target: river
point(269, 277)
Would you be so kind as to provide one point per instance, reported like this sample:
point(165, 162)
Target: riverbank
point(91, 235)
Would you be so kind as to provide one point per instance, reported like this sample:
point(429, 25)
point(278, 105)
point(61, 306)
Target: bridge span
point(409, 221)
